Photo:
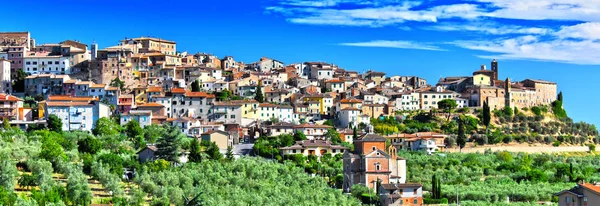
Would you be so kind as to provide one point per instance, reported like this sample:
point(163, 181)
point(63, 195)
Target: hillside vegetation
point(51, 167)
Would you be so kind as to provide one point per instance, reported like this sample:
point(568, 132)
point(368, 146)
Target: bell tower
point(495, 69)
point(507, 96)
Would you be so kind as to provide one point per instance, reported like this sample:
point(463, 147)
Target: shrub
point(536, 110)
point(549, 139)
point(556, 143)
point(592, 147)
point(435, 201)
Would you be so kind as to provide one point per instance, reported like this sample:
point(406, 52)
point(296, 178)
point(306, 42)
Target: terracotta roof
point(9, 98)
point(67, 104)
point(351, 100)
point(70, 81)
point(199, 94)
point(112, 88)
point(69, 98)
point(178, 91)
point(154, 89)
point(590, 186)
point(335, 81)
point(350, 109)
point(151, 104)
point(98, 86)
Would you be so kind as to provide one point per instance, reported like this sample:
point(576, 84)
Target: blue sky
point(554, 40)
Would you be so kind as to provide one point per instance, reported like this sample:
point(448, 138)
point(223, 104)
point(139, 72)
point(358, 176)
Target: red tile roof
point(178, 91)
point(8, 97)
point(199, 94)
point(154, 89)
point(151, 104)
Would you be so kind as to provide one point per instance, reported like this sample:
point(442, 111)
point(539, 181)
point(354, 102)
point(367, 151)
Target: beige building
point(545, 90)
point(150, 44)
point(313, 147)
point(583, 194)
point(221, 138)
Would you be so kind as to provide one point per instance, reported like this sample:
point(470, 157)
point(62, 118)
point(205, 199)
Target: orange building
point(370, 164)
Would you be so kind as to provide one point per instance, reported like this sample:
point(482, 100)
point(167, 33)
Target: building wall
point(5, 78)
point(220, 139)
point(47, 65)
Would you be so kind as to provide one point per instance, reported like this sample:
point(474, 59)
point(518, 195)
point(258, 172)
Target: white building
point(144, 117)
point(312, 131)
point(349, 116)
point(77, 115)
point(42, 63)
point(226, 112)
point(5, 82)
point(281, 128)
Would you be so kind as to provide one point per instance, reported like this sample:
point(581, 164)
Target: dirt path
point(522, 148)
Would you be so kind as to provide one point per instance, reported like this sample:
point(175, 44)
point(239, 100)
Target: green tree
point(170, 144)
point(5, 124)
point(333, 136)
point(447, 105)
point(223, 95)
point(462, 137)
point(153, 132)
point(259, 94)
point(328, 122)
point(105, 126)
point(27, 181)
point(286, 140)
point(487, 116)
point(19, 81)
point(135, 132)
point(8, 174)
point(354, 133)
point(196, 154)
point(229, 154)
point(54, 123)
point(560, 97)
point(212, 150)
point(196, 86)
point(89, 145)
point(298, 136)
point(507, 111)
point(117, 83)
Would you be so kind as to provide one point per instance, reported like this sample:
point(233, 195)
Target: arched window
point(377, 166)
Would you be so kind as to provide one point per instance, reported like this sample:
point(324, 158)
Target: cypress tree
point(259, 94)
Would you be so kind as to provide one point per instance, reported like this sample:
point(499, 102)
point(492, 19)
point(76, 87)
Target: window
point(377, 166)
point(232, 116)
point(373, 148)
point(415, 201)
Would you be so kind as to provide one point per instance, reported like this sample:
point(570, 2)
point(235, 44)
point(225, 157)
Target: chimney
point(483, 67)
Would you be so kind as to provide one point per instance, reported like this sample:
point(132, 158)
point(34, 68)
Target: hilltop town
point(320, 109)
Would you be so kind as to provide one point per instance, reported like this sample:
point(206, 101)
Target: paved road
point(242, 149)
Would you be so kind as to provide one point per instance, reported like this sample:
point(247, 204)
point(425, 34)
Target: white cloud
point(532, 48)
point(372, 15)
point(490, 28)
point(580, 10)
point(394, 44)
point(589, 30)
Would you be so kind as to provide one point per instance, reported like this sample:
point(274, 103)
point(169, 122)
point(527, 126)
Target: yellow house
point(316, 102)
point(140, 95)
point(481, 79)
point(250, 109)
